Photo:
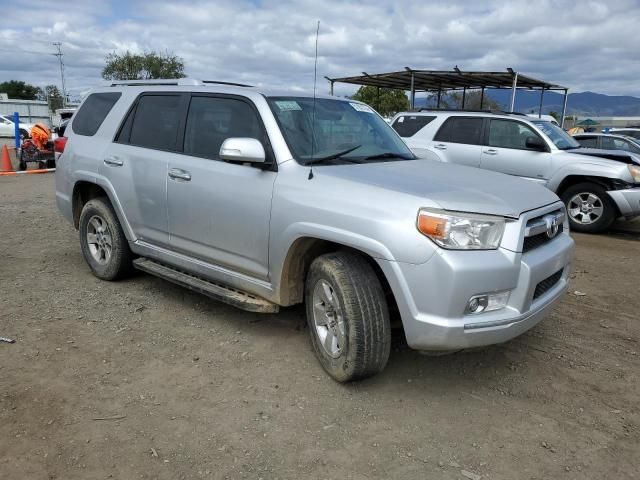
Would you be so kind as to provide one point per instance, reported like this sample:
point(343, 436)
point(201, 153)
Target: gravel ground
point(143, 379)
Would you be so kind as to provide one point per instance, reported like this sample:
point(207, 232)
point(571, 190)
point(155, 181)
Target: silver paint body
point(546, 168)
point(236, 224)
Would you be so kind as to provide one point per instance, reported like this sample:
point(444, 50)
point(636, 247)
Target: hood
point(453, 187)
point(617, 155)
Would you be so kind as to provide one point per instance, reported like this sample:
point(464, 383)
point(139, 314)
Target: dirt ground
point(143, 379)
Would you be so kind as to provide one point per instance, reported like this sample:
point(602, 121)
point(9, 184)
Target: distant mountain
point(581, 104)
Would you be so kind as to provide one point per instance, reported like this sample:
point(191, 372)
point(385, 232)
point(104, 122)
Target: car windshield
point(342, 130)
point(557, 135)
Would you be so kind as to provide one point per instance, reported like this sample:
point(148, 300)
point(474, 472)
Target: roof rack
point(457, 110)
point(172, 81)
point(233, 84)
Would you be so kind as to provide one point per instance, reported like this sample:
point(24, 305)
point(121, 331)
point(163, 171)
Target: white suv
point(596, 186)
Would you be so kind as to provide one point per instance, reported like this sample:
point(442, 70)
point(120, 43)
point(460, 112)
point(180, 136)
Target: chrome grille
point(536, 232)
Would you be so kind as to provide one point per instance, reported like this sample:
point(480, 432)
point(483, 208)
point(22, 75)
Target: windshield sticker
point(400, 119)
point(288, 105)
point(361, 108)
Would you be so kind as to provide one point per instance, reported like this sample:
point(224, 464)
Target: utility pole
point(58, 45)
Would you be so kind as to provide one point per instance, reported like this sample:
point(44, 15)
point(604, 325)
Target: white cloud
point(584, 45)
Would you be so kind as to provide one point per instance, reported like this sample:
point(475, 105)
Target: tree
point(555, 115)
point(388, 101)
point(131, 66)
point(19, 90)
point(53, 97)
point(471, 101)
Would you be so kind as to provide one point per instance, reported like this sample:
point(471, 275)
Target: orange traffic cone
point(5, 164)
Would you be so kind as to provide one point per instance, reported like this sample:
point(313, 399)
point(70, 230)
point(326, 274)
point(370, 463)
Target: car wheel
point(347, 316)
point(589, 207)
point(104, 246)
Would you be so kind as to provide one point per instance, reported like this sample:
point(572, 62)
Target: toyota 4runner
point(262, 201)
point(596, 187)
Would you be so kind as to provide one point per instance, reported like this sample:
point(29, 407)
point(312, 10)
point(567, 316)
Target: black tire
point(118, 265)
point(51, 163)
point(358, 294)
point(22, 165)
point(604, 221)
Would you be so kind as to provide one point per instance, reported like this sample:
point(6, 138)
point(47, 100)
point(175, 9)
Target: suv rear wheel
point(589, 207)
point(104, 246)
point(347, 316)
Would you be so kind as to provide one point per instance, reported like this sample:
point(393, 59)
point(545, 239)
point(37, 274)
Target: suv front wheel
point(589, 207)
point(347, 316)
point(102, 240)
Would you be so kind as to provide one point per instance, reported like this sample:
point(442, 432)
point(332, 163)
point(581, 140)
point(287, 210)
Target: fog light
point(487, 303)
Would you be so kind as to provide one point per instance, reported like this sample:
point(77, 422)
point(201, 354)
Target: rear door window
point(466, 130)
point(409, 125)
point(154, 122)
point(93, 112)
point(588, 142)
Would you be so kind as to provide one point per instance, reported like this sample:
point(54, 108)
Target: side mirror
point(242, 150)
point(535, 143)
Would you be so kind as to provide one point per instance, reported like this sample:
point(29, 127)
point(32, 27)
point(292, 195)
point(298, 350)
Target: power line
point(59, 54)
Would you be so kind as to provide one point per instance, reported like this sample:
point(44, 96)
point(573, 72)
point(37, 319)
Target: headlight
point(634, 170)
point(461, 231)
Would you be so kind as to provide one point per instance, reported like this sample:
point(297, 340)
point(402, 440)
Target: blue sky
point(585, 45)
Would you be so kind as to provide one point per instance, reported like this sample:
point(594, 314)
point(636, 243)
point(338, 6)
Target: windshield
point(347, 131)
point(557, 135)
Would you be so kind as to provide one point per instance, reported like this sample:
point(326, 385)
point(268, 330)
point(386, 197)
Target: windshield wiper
point(334, 156)
point(401, 156)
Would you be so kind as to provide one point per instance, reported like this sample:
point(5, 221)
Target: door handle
point(490, 151)
point(440, 146)
point(179, 174)
point(113, 161)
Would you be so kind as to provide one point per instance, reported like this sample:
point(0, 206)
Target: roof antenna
point(313, 114)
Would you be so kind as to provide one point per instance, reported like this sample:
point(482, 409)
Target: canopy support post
point(514, 86)
point(481, 97)
point(541, 99)
point(564, 107)
point(413, 92)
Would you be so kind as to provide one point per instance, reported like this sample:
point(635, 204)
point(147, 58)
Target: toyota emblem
point(552, 225)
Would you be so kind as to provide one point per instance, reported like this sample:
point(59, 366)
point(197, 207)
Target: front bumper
point(432, 296)
point(627, 200)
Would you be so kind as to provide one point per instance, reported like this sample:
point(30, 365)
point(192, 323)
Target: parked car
point(596, 190)
point(263, 201)
point(632, 132)
point(61, 140)
point(548, 118)
point(608, 141)
point(7, 127)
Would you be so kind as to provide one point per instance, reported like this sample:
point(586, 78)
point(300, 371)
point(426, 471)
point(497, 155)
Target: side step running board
point(237, 298)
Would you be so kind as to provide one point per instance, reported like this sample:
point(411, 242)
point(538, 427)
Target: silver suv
point(263, 200)
point(596, 190)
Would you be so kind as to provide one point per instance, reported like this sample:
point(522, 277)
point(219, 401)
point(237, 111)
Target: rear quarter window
point(409, 125)
point(93, 112)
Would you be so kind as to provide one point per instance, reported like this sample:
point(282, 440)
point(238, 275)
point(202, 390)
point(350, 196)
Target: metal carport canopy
point(438, 81)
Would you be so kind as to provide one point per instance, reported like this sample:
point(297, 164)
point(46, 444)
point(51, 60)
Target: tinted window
point(613, 143)
point(212, 120)
point(409, 125)
point(93, 112)
point(588, 142)
point(510, 134)
point(460, 130)
point(155, 123)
